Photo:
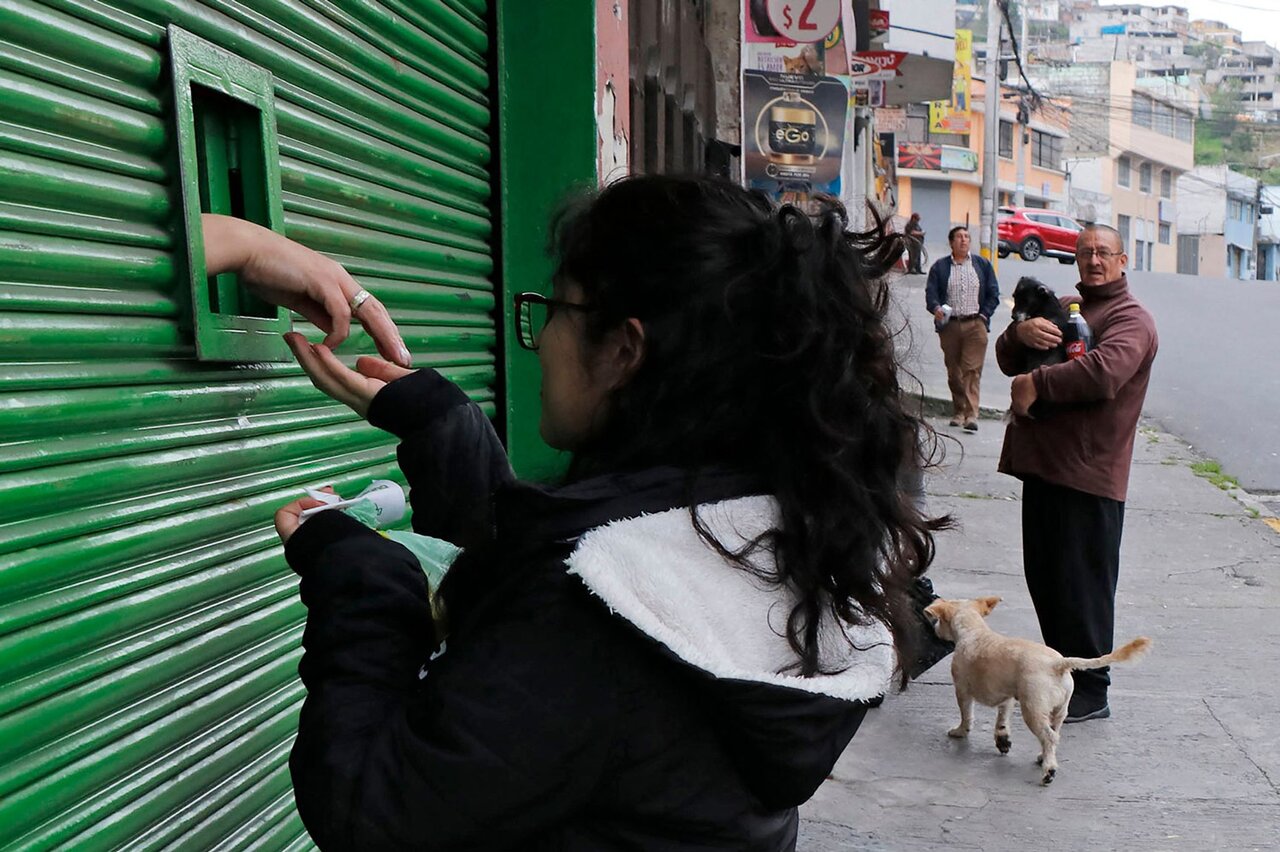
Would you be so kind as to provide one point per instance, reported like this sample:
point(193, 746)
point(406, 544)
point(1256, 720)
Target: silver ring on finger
point(359, 299)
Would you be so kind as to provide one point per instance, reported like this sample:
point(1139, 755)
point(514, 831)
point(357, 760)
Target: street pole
point(991, 128)
point(1025, 52)
point(1020, 181)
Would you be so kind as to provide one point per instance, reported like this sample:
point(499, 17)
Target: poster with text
point(793, 134)
point(953, 116)
point(764, 48)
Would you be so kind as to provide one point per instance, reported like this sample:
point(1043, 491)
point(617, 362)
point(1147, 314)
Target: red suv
point(1032, 232)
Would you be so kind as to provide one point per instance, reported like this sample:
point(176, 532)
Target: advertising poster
point(892, 120)
point(957, 159)
point(886, 168)
point(953, 116)
point(919, 155)
point(824, 51)
point(793, 134)
point(867, 93)
point(869, 73)
point(879, 23)
point(934, 158)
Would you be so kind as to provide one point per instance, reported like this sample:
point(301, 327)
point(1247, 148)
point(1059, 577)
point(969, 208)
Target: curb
point(936, 406)
point(1261, 510)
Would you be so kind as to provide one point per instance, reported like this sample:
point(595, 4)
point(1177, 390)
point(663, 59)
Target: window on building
point(1144, 177)
point(1122, 171)
point(1006, 140)
point(1143, 110)
point(1122, 225)
point(1183, 126)
point(1166, 234)
point(1166, 183)
point(1046, 150)
point(1235, 209)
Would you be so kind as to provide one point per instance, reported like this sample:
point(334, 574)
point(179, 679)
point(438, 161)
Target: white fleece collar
point(656, 572)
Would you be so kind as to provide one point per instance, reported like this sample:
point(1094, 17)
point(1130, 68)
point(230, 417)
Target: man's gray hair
point(1107, 229)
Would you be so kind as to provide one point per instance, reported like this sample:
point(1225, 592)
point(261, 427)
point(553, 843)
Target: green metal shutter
point(149, 628)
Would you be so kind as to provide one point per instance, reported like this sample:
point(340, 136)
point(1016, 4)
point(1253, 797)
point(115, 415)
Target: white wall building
point(1269, 234)
point(1129, 33)
point(1217, 220)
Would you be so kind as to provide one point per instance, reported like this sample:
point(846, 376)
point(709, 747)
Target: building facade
point(1217, 223)
point(1254, 67)
point(1269, 234)
point(947, 191)
point(1129, 33)
point(1131, 138)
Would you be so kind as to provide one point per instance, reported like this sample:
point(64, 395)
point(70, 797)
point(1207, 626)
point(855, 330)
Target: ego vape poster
point(793, 134)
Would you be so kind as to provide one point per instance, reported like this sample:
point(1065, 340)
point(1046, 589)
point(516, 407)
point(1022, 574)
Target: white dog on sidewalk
point(997, 670)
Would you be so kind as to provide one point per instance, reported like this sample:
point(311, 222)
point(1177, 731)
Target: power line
point(1013, 40)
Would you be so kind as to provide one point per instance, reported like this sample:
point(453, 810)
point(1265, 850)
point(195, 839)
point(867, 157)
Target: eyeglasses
point(534, 311)
point(1101, 254)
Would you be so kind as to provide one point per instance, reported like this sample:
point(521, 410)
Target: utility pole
point(1020, 181)
point(991, 128)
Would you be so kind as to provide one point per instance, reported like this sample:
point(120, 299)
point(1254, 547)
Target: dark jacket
point(935, 288)
point(1087, 444)
point(608, 681)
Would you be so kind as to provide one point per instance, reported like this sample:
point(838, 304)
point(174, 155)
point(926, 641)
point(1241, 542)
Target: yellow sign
point(953, 116)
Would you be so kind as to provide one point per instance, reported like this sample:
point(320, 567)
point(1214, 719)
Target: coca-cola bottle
point(1077, 337)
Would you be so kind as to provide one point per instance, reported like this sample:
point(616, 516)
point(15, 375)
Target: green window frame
point(229, 163)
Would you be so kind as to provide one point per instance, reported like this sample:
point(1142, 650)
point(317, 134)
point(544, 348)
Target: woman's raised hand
point(293, 276)
point(353, 388)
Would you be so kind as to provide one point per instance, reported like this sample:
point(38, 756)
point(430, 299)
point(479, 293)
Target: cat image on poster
point(809, 61)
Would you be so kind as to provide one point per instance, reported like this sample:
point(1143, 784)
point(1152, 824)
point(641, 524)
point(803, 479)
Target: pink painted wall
point(613, 92)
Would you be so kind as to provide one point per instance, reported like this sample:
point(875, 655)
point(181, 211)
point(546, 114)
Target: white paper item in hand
point(386, 496)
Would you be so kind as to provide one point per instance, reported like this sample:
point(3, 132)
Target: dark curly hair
point(766, 351)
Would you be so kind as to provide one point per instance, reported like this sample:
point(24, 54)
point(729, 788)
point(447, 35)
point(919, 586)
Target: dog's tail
point(1133, 651)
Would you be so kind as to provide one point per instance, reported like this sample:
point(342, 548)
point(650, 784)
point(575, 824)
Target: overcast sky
point(1257, 20)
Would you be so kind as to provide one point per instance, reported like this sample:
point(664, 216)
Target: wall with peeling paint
point(613, 94)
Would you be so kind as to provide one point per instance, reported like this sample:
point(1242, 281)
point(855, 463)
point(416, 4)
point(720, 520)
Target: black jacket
point(608, 681)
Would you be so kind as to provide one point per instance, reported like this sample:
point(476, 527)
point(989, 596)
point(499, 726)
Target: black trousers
point(1071, 559)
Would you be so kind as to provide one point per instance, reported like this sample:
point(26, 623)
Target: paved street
point(1190, 759)
point(1215, 382)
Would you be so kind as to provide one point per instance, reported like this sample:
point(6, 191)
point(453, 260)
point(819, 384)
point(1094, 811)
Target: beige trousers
point(964, 348)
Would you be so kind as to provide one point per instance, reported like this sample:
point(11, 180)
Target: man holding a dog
point(1074, 458)
point(966, 283)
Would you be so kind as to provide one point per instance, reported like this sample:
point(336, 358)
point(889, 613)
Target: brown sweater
point(1087, 443)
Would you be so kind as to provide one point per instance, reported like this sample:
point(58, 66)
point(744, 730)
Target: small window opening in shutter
point(228, 159)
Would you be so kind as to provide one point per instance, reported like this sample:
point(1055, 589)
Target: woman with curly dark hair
point(670, 648)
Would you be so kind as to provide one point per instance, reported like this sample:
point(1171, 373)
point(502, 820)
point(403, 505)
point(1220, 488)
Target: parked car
point(1032, 232)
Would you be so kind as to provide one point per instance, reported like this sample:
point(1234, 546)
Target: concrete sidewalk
point(921, 356)
point(1190, 760)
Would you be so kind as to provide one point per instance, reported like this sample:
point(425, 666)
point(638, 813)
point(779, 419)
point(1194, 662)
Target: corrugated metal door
point(932, 200)
point(149, 628)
